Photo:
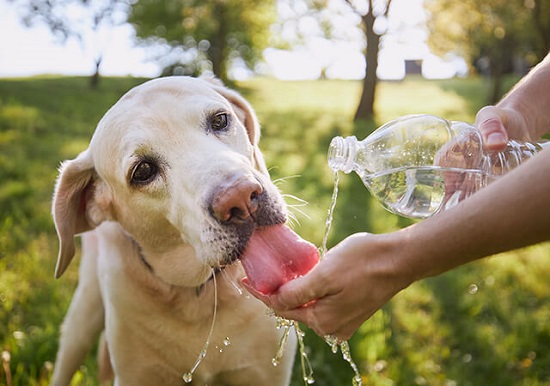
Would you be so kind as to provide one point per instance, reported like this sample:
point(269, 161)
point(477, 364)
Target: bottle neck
point(341, 153)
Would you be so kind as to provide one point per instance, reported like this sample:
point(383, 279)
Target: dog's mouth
point(274, 255)
point(271, 253)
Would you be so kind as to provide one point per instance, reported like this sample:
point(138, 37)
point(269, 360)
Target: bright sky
point(31, 51)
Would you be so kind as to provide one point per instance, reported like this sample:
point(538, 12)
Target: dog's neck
point(139, 252)
point(145, 262)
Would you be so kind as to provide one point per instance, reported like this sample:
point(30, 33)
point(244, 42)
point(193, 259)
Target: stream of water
point(332, 341)
point(287, 325)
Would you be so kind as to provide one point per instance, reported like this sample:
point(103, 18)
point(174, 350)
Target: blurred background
point(312, 69)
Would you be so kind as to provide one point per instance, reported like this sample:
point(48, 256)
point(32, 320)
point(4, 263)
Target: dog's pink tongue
point(275, 255)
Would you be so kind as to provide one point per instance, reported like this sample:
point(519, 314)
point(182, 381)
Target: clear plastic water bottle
point(419, 165)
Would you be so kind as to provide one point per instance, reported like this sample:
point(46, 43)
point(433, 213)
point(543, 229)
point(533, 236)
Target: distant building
point(413, 67)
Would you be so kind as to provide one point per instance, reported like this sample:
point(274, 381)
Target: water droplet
point(332, 342)
point(275, 362)
point(187, 377)
point(472, 289)
point(226, 341)
point(203, 353)
point(309, 380)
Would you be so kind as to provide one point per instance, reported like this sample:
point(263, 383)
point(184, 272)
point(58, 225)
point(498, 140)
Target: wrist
point(400, 260)
point(518, 119)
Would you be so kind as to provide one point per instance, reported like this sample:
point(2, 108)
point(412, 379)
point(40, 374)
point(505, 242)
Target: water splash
point(287, 325)
point(227, 277)
point(188, 376)
point(343, 345)
point(307, 370)
point(333, 341)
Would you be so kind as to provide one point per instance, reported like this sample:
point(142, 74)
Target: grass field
point(483, 324)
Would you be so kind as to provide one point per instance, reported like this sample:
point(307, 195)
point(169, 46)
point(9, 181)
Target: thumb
point(489, 121)
point(300, 291)
point(289, 296)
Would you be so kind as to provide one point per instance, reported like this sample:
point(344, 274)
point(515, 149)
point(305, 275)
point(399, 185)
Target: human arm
point(522, 114)
point(364, 271)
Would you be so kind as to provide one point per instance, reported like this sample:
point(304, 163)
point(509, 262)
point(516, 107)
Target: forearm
point(512, 212)
point(530, 97)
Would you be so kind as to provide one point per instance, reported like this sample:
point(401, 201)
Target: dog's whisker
point(284, 179)
point(300, 202)
point(293, 220)
point(293, 210)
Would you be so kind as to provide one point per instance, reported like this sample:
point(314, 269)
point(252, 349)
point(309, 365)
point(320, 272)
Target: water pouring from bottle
point(419, 165)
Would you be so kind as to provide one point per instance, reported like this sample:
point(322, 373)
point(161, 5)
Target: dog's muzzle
point(238, 206)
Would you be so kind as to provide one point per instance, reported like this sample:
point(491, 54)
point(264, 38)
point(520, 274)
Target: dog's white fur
point(149, 249)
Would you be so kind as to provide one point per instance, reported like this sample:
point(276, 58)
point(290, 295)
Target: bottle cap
point(341, 154)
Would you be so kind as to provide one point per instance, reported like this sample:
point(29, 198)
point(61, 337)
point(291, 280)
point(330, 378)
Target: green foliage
point(42, 122)
point(482, 324)
point(212, 31)
point(494, 36)
point(472, 29)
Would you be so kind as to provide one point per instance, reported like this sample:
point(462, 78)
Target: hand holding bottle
point(420, 165)
point(498, 125)
point(364, 271)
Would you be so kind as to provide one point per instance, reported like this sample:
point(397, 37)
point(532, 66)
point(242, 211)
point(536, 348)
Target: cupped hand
point(350, 283)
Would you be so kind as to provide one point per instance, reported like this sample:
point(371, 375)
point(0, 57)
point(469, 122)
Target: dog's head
point(176, 163)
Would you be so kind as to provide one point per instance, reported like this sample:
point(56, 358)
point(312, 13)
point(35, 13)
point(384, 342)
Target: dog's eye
point(144, 172)
point(219, 122)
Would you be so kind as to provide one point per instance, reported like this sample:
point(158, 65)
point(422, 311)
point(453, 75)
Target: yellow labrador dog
point(167, 195)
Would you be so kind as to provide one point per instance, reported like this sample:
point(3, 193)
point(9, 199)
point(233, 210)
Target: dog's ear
point(246, 115)
point(71, 209)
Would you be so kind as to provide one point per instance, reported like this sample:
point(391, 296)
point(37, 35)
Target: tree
point(206, 35)
point(333, 19)
point(82, 20)
point(497, 32)
point(370, 13)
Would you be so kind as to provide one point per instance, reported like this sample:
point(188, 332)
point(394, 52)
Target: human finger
point(299, 292)
point(489, 121)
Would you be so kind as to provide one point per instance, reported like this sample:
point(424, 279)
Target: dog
point(165, 198)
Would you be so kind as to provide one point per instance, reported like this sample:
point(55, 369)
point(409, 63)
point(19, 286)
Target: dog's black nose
point(236, 200)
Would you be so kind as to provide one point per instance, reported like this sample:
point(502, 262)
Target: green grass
point(483, 324)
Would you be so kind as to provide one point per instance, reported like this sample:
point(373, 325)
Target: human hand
point(497, 125)
point(349, 284)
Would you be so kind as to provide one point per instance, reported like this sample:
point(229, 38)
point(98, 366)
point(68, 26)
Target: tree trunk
point(219, 44)
point(500, 62)
point(496, 83)
point(94, 80)
point(365, 110)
